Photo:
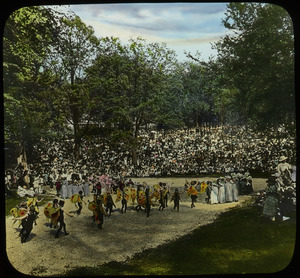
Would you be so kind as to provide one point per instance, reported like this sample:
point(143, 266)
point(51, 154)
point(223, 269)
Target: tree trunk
point(77, 135)
point(136, 128)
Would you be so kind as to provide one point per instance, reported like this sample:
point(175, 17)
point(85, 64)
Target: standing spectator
point(86, 188)
point(221, 192)
point(228, 190)
point(98, 188)
point(235, 190)
point(214, 193)
point(58, 187)
point(272, 199)
point(283, 168)
point(69, 189)
point(64, 190)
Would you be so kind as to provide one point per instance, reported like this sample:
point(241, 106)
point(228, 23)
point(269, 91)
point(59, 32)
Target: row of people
point(163, 153)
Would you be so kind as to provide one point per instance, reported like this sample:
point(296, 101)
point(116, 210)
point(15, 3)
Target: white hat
point(282, 158)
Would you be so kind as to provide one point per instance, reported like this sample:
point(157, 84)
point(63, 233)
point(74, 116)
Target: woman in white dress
point(75, 187)
point(64, 189)
point(235, 190)
point(69, 189)
point(86, 188)
point(214, 194)
point(221, 195)
point(228, 190)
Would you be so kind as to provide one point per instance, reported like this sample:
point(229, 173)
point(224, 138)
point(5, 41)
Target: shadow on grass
point(239, 241)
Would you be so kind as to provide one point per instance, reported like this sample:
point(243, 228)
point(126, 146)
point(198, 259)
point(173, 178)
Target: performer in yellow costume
point(32, 201)
point(98, 211)
point(193, 193)
point(18, 212)
point(133, 194)
point(51, 211)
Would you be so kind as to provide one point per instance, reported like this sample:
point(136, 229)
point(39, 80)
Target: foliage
point(129, 82)
point(61, 81)
point(257, 58)
point(27, 38)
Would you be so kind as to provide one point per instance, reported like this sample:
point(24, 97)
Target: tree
point(71, 55)
point(257, 60)
point(28, 35)
point(130, 79)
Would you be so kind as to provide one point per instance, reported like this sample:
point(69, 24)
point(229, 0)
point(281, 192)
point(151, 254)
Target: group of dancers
point(141, 196)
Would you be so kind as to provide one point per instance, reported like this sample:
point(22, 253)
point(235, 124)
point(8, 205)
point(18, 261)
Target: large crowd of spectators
point(199, 151)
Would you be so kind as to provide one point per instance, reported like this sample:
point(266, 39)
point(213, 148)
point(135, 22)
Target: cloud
point(180, 25)
point(158, 17)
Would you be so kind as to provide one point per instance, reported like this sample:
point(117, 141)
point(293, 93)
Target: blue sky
point(183, 27)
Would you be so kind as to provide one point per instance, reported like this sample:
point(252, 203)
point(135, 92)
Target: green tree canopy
point(257, 59)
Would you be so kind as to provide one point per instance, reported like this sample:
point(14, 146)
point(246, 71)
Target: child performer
point(125, 196)
point(27, 223)
point(109, 204)
point(62, 224)
point(80, 200)
point(176, 198)
point(99, 214)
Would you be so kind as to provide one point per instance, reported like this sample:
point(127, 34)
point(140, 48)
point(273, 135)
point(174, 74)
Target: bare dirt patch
point(122, 236)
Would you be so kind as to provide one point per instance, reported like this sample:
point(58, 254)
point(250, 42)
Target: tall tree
point(74, 51)
point(130, 79)
point(27, 40)
point(257, 59)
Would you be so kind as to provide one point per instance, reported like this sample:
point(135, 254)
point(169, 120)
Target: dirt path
point(122, 236)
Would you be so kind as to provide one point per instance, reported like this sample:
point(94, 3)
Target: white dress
point(235, 191)
point(79, 188)
point(64, 190)
point(74, 189)
point(69, 190)
point(214, 194)
point(228, 192)
point(221, 196)
point(86, 189)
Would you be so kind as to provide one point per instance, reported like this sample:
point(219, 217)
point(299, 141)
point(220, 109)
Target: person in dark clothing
point(109, 204)
point(161, 200)
point(99, 214)
point(98, 188)
point(58, 187)
point(147, 205)
point(80, 202)
point(176, 198)
point(124, 201)
point(61, 221)
point(27, 224)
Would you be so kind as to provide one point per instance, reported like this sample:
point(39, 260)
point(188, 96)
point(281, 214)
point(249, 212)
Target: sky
point(182, 26)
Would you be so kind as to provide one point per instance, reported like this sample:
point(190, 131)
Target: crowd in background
point(214, 150)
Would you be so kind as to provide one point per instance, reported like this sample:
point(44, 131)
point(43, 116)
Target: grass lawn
point(15, 199)
point(239, 241)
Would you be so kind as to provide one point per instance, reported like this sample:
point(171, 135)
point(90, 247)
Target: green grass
point(15, 200)
point(239, 241)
